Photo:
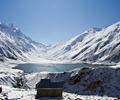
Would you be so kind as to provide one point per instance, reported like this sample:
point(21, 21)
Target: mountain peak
point(94, 29)
point(12, 26)
point(117, 23)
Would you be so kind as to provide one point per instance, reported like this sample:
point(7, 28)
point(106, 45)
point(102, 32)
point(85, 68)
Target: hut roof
point(46, 83)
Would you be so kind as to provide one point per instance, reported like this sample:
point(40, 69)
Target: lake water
point(29, 68)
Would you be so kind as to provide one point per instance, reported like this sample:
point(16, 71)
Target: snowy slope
point(9, 76)
point(95, 45)
point(14, 44)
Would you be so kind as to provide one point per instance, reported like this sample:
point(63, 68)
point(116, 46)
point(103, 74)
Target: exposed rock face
point(100, 81)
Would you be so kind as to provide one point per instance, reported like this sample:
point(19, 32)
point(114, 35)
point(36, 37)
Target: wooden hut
point(46, 88)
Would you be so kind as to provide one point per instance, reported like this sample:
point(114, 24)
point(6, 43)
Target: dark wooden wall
point(49, 92)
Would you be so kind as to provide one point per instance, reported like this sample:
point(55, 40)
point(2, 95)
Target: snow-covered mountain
point(14, 44)
point(94, 45)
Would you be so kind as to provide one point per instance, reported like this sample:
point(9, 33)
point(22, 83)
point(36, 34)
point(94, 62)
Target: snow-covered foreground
point(85, 83)
point(22, 94)
point(17, 94)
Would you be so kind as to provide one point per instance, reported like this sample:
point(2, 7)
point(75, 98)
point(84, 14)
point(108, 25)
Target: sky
point(54, 21)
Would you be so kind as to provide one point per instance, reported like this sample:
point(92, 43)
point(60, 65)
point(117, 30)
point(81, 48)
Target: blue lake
point(30, 67)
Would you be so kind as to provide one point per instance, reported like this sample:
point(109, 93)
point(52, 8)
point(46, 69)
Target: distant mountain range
point(94, 45)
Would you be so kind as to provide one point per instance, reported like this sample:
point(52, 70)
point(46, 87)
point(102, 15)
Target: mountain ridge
point(14, 44)
point(100, 47)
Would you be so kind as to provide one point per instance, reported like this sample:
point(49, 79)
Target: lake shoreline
point(55, 67)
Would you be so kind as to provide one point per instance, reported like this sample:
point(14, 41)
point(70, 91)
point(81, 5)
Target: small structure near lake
point(46, 88)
